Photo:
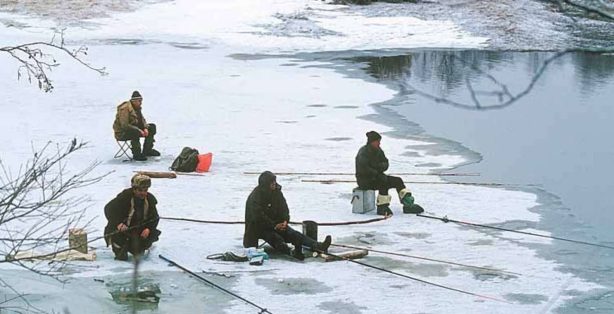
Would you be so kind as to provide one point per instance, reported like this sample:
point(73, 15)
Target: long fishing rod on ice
point(445, 219)
point(414, 278)
point(262, 310)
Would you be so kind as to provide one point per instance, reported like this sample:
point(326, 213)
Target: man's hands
point(144, 234)
point(282, 226)
point(122, 227)
point(144, 132)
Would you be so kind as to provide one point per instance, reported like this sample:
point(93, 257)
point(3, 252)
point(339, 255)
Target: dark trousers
point(278, 239)
point(134, 136)
point(131, 242)
point(390, 182)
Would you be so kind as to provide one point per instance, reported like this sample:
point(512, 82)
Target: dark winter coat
point(371, 163)
point(118, 211)
point(263, 210)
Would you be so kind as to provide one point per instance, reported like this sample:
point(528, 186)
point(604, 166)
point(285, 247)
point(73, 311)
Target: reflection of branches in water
point(501, 92)
point(387, 68)
point(592, 70)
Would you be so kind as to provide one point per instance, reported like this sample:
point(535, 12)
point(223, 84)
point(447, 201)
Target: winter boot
point(121, 253)
point(298, 251)
point(383, 205)
point(152, 152)
point(413, 209)
point(407, 200)
point(136, 151)
point(148, 149)
point(323, 246)
point(409, 207)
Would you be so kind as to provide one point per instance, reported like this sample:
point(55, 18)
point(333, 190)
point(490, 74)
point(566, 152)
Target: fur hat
point(136, 95)
point(141, 181)
point(373, 136)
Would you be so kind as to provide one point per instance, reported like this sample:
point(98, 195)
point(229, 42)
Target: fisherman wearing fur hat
point(130, 125)
point(267, 217)
point(371, 163)
point(132, 219)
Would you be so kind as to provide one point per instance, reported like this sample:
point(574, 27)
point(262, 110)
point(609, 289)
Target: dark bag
point(186, 161)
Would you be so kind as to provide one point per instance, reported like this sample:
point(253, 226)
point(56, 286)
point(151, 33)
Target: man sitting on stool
point(130, 125)
point(370, 166)
point(267, 217)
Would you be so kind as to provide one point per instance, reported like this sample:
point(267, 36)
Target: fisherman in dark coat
point(267, 217)
point(371, 163)
point(132, 219)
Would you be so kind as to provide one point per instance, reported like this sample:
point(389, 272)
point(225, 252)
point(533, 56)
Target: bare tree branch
point(38, 206)
point(36, 64)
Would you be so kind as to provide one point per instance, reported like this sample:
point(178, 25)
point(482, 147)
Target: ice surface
point(257, 115)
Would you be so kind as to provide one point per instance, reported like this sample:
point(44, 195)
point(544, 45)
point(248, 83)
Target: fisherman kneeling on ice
point(371, 162)
point(132, 219)
point(267, 216)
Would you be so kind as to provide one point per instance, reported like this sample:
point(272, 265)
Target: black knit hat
point(265, 179)
point(373, 136)
point(136, 95)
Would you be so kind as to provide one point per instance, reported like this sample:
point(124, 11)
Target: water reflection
point(446, 73)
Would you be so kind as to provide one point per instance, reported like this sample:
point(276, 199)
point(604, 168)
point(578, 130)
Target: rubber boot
point(323, 246)
point(148, 149)
point(298, 251)
point(383, 205)
point(136, 151)
point(408, 202)
point(121, 253)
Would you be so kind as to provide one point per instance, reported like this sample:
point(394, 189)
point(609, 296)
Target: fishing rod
point(330, 181)
point(427, 259)
point(351, 174)
point(413, 278)
point(262, 310)
point(445, 219)
point(223, 222)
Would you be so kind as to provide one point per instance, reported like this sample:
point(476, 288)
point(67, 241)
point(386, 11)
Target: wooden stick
point(345, 255)
point(195, 174)
point(331, 181)
point(158, 174)
point(351, 174)
point(168, 174)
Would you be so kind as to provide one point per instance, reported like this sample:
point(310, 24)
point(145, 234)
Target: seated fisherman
point(132, 219)
point(371, 162)
point(266, 217)
point(130, 125)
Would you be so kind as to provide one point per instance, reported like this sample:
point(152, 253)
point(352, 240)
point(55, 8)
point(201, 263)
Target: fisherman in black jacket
point(267, 217)
point(371, 163)
point(132, 219)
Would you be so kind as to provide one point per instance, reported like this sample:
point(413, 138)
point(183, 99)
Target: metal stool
point(125, 149)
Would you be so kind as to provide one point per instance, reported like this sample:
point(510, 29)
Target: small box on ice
point(363, 201)
point(77, 240)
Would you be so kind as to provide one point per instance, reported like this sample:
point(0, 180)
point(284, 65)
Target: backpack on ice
point(186, 161)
